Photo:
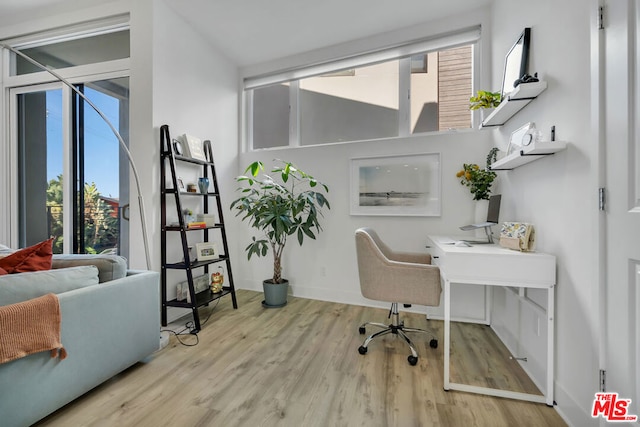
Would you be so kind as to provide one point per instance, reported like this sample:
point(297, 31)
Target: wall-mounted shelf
point(524, 155)
point(516, 101)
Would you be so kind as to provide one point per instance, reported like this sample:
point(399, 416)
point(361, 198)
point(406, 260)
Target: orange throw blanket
point(30, 327)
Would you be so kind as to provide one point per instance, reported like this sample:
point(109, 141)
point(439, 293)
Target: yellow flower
point(460, 173)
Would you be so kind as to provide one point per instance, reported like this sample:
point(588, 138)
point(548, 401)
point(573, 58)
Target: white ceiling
point(254, 31)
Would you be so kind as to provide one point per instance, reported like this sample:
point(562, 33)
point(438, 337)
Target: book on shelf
point(197, 224)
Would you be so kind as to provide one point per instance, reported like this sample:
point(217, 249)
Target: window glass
point(271, 116)
point(83, 51)
point(350, 105)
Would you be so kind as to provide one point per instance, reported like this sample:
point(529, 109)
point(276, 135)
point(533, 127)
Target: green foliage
point(479, 180)
point(485, 99)
point(101, 225)
point(291, 207)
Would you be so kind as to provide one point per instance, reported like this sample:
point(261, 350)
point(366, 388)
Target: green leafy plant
point(485, 99)
point(279, 209)
point(479, 180)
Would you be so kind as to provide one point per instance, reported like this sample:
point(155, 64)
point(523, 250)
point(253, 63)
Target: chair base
point(397, 328)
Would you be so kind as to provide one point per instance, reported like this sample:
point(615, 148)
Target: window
point(72, 179)
point(422, 87)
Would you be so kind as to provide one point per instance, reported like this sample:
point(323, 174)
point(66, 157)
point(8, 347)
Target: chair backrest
point(384, 279)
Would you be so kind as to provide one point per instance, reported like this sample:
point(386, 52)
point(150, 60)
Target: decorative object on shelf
point(523, 136)
point(206, 251)
point(191, 188)
point(217, 280)
point(181, 186)
point(192, 256)
point(485, 99)
point(519, 236)
point(516, 62)
point(203, 184)
point(177, 147)
point(187, 214)
point(192, 147)
point(208, 219)
point(406, 185)
point(479, 180)
point(290, 206)
point(200, 284)
point(527, 79)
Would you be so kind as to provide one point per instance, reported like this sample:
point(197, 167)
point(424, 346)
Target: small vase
point(203, 185)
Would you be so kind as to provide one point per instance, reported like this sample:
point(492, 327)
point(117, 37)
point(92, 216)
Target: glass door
point(73, 182)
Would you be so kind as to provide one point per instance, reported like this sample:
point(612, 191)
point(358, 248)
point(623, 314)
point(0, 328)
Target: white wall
point(194, 92)
point(557, 194)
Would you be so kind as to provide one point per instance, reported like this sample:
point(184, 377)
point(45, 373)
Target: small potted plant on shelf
point(288, 206)
point(485, 101)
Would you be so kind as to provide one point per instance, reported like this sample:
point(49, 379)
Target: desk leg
point(550, 343)
point(447, 330)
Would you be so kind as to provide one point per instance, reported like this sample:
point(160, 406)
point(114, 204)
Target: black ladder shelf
point(168, 155)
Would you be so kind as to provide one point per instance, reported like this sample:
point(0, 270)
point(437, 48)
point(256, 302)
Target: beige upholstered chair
point(396, 277)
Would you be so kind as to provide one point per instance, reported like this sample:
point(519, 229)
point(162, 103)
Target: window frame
point(401, 52)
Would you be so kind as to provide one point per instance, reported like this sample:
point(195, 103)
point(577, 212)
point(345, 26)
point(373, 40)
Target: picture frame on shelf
point(192, 147)
point(181, 186)
point(399, 185)
point(516, 62)
point(206, 251)
point(519, 137)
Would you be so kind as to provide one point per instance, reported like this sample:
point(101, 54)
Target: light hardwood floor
point(299, 366)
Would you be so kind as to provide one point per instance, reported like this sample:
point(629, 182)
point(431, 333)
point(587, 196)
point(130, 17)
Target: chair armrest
point(411, 257)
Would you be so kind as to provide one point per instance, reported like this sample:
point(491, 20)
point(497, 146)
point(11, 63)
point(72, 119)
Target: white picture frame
point(516, 139)
point(206, 251)
point(193, 147)
point(398, 185)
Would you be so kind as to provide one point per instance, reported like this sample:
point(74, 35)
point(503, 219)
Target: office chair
point(397, 277)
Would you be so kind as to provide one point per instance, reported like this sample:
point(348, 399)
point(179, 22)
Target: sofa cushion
point(110, 267)
point(24, 286)
point(34, 258)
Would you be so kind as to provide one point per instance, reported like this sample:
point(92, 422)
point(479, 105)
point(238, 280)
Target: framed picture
point(403, 185)
point(520, 137)
point(181, 186)
point(206, 251)
point(192, 147)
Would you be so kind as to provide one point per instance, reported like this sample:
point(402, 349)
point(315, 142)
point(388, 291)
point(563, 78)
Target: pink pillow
point(34, 258)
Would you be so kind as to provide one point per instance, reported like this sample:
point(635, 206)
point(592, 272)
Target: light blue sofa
point(106, 327)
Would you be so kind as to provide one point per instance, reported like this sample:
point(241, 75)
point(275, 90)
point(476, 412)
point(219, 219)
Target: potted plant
point(291, 207)
point(485, 99)
point(479, 180)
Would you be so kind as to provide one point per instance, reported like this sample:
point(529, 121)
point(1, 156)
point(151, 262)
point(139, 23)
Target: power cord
point(189, 329)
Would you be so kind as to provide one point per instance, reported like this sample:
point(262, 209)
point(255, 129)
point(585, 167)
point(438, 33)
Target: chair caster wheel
point(361, 330)
point(433, 343)
point(412, 360)
point(362, 349)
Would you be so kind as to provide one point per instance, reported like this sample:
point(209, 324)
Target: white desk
point(492, 265)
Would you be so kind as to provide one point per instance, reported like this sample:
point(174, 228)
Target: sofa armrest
point(105, 329)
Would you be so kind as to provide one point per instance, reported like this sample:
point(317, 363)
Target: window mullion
point(294, 114)
point(404, 102)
